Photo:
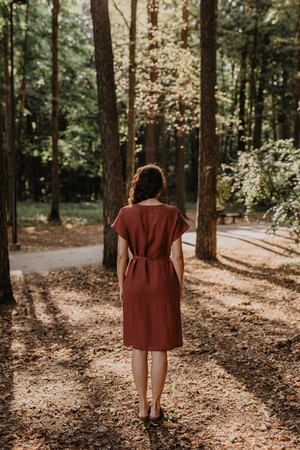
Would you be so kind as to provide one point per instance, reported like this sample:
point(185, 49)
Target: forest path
point(43, 261)
point(48, 260)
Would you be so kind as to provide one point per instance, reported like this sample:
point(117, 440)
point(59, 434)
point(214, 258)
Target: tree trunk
point(206, 247)
point(242, 94)
point(229, 152)
point(274, 111)
point(54, 214)
point(109, 130)
point(163, 148)
point(131, 99)
point(242, 101)
point(20, 108)
point(222, 126)
point(194, 161)
point(180, 155)
point(151, 141)
point(8, 141)
point(259, 108)
point(151, 146)
point(252, 84)
point(6, 294)
point(22, 95)
point(283, 117)
point(297, 90)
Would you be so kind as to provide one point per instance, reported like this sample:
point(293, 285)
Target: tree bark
point(274, 111)
point(163, 147)
point(241, 145)
point(131, 99)
point(206, 241)
point(194, 161)
point(242, 101)
point(22, 95)
point(297, 89)
point(181, 138)
point(6, 293)
point(283, 117)
point(229, 153)
point(109, 129)
point(259, 108)
point(8, 141)
point(54, 214)
point(252, 84)
point(151, 145)
point(21, 159)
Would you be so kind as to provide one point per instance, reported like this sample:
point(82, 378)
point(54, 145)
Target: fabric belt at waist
point(146, 258)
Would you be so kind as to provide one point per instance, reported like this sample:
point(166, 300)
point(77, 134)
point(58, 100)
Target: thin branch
point(122, 15)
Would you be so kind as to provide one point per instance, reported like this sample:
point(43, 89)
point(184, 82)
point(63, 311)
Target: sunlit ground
point(66, 378)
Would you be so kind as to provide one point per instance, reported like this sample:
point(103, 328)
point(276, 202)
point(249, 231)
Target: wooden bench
point(222, 216)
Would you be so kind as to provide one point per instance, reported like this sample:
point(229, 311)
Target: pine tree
point(208, 152)
point(109, 129)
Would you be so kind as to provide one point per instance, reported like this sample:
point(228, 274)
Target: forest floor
point(65, 377)
point(38, 238)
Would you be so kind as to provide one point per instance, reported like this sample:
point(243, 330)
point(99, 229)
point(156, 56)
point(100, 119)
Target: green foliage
point(79, 142)
point(36, 213)
point(177, 68)
point(270, 175)
point(265, 32)
point(246, 177)
point(265, 28)
point(223, 190)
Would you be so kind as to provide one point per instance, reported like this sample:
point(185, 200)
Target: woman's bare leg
point(159, 369)
point(140, 376)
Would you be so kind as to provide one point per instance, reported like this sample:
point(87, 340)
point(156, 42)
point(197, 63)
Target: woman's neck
point(150, 201)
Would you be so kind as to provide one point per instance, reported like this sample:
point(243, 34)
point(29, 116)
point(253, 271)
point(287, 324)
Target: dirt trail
point(65, 379)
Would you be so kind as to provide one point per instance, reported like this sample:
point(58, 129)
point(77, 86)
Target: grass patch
point(36, 213)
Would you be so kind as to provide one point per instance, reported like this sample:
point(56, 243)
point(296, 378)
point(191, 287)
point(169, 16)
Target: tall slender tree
point(109, 129)
point(54, 214)
point(283, 117)
point(6, 294)
point(22, 95)
point(151, 145)
point(8, 140)
point(181, 138)
point(206, 241)
point(259, 107)
point(131, 98)
point(297, 83)
point(242, 100)
point(254, 67)
point(242, 94)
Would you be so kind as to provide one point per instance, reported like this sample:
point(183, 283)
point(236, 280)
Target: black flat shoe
point(142, 418)
point(158, 418)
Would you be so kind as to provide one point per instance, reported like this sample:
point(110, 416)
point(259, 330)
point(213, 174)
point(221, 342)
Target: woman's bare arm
point(177, 258)
point(122, 262)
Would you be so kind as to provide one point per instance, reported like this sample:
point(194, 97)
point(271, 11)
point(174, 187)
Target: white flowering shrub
point(270, 175)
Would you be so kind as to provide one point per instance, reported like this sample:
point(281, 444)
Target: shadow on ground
point(7, 419)
point(263, 355)
point(66, 380)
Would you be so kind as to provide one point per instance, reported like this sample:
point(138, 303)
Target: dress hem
point(154, 349)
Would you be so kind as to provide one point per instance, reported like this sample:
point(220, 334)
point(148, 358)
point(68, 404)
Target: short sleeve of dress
point(181, 227)
point(119, 226)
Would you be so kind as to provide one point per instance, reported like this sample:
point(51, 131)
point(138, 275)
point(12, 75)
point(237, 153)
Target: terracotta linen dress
point(151, 294)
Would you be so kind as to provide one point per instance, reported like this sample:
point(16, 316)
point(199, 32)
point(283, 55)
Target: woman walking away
point(151, 284)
